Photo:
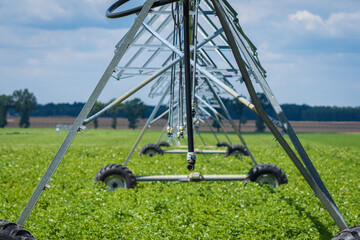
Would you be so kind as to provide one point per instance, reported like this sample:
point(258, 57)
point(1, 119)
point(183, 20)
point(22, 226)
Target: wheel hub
point(267, 179)
point(115, 181)
point(237, 153)
point(150, 152)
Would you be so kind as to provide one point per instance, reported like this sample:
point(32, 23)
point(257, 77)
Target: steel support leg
point(322, 195)
point(279, 112)
point(83, 114)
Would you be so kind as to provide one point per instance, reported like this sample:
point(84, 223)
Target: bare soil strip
point(122, 123)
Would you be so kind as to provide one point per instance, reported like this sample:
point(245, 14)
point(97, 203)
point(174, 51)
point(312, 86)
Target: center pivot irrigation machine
point(193, 52)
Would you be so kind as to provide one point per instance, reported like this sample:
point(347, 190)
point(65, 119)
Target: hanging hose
point(110, 12)
point(181, 88)
point(170, 128)
point(191, 157)
point(193, 112)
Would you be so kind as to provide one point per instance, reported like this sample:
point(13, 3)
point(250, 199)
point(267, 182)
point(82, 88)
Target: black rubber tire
point(163, 144)
point(116, 176)
point(223, 144)
point(349, 234)
point(236, 150)
point(260, 173)
point(151, 150)
point(13, 231)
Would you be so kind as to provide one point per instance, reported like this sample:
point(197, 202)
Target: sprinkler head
point(191, 157)
point(193, 112)
point(191, 166)
point(169, 131)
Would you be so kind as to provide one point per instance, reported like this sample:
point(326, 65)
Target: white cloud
point(44, 10)
point(55, 65)
point(310, 21)
point(51, 13)
point(25, 11)
point(336, 25)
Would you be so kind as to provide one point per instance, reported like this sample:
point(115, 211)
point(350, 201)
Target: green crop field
point(75, 207)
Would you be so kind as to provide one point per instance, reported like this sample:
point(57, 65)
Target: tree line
point(293, 112)
point(23, 103)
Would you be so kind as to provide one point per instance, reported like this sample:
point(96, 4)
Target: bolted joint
point(195, 177)
point(81, 128)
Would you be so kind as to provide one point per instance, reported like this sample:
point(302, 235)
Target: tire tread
point(12, 231)
point(260, 169)
point(152, 146)
point(236, 147)
point(116, 169)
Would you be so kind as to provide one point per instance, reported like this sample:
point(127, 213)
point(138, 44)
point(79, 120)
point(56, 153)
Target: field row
point(77, 208)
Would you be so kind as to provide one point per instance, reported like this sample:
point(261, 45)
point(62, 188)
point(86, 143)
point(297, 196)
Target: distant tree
point(242, 120)
point(295, 112)
point(216, 124)
point(5, 103)
point(24, 102)
point(260, 126)
point(292, 111)
point(114, 113)
point(96, 108)
point(134, 109)
point(59, 109)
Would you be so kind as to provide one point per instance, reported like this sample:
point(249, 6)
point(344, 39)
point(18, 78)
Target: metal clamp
point(195, 177)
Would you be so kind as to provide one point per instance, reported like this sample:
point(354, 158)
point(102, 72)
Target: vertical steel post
point(190, 135)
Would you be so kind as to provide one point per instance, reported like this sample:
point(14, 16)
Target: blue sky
point(59, 49)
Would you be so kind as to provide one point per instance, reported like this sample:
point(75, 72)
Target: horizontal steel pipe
point(196, 151)
point(191, 178)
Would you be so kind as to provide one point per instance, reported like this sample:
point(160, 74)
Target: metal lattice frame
point(214, 37)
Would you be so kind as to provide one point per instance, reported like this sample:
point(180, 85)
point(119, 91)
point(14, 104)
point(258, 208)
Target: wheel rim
point(267, 179)
point(115, 181)
point(150, 152)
